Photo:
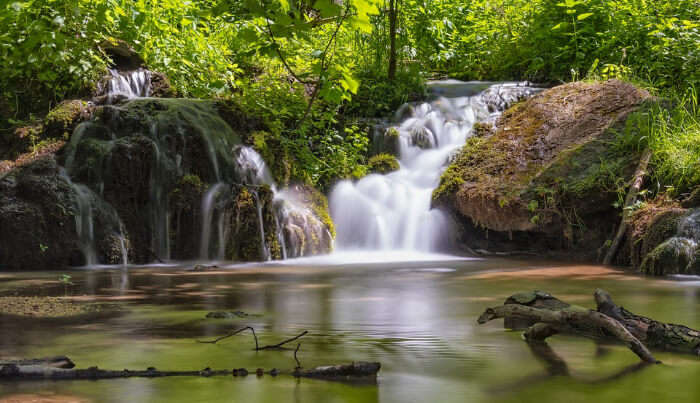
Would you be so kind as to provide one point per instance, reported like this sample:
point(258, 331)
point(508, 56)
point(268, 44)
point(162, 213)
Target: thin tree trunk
point(393, 16)
point(629, 201)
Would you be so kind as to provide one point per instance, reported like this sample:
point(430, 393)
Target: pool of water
point(418, 319)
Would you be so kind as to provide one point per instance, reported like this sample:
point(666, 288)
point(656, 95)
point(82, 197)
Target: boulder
point(544, 177)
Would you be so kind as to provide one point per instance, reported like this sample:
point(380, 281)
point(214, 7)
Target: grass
point(671, 129)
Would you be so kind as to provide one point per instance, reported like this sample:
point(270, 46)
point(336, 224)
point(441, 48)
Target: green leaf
point(583, 16)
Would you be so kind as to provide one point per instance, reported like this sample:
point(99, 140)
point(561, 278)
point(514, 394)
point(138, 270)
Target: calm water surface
point(417, 319)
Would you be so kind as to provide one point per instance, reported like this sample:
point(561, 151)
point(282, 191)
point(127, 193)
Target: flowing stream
point(393, 212)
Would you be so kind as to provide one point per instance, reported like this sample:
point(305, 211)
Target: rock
point(535, 299)
point(123, 56)
point(37, 218)
point(675, 256)
point(543, 171)
point(650, 227)
point(64, 118)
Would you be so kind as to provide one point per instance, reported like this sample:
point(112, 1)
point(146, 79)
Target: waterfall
point(130, 84)
point(392, 211)
point(85, 223)
point(297, 225)
point(207, 216)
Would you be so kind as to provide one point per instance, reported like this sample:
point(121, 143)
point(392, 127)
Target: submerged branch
point(280, 344)
point(218, 339)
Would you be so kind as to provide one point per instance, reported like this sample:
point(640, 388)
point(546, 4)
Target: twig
point(295, 356)
point(279, 345)
point(232, 334)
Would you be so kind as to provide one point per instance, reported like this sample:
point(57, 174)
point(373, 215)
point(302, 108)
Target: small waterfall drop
point(208, 206)
point(298, 227)
point(392, 211)
point(128, 84)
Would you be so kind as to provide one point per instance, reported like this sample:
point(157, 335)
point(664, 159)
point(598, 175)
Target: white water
point(207, 217)
point(130, 84)
point(392, 212)
point(296, 222)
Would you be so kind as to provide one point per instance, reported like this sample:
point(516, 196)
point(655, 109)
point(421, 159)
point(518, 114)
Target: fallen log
point(357, 370)
point(543, 315)
point(42, 372)
point(654, 334)
point(360, 369)
point(570, 320)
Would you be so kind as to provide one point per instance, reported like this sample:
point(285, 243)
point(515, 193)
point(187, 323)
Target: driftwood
point(357, 370)
point(573, 321)
point(654, 334)
point(629, 201)
point(543, 316)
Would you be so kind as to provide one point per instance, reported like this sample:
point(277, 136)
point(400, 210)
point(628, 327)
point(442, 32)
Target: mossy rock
point(662, 226)
point(383, 164)
point(547, 166)
point(37, 224)
point(674, 256)
point(62, 120)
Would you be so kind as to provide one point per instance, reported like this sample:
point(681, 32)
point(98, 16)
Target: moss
point(319, 204)
point(60, 121)
point(383, 164)
point(675, 256)
point(545, 158)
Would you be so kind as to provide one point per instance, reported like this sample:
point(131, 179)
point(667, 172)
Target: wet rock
point(674, 256)
point(37, 224)
point(649, 228)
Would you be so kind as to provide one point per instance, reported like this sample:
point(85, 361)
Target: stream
point(418, 319)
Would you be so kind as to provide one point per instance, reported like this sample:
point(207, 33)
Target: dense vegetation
point(312, 68)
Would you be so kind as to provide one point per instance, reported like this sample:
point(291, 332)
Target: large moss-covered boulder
point(545, 177)
point(38, 210)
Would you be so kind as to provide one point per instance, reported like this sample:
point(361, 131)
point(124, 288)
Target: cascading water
point(297, 225)
point(131, 84)
point(392, 211)
point(207, 218)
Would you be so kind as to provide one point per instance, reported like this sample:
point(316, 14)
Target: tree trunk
point(393, 16)
point(629, 201)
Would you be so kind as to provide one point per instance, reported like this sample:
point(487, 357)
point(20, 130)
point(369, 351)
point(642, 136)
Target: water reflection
point(418, 320)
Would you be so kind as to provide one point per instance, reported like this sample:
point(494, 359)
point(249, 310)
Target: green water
point(418, 320)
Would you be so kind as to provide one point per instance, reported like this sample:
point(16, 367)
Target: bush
point(383, 164)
